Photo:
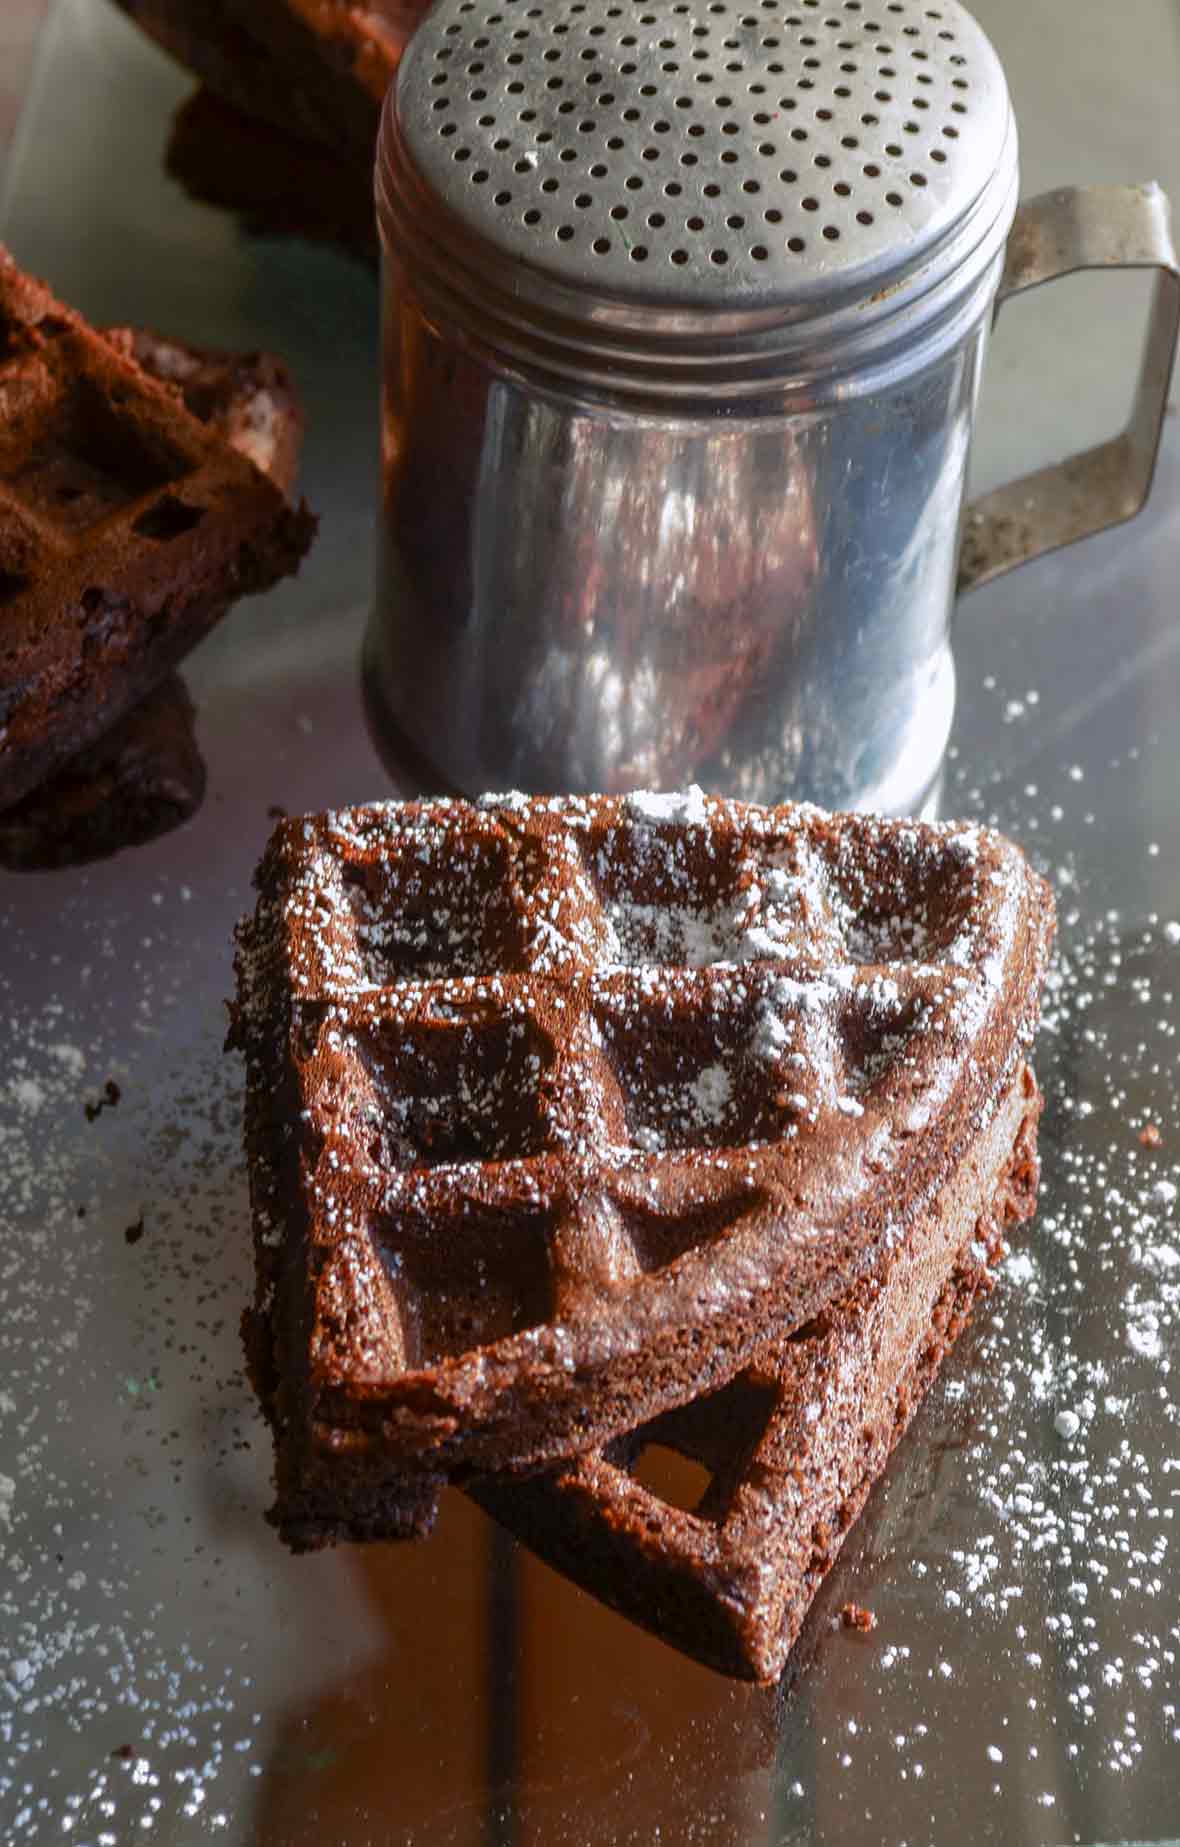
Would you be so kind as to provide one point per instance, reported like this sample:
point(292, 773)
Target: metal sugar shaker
point(685, 306)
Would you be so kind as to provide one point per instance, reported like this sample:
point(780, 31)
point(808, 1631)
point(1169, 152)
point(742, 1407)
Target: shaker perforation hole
point(717, 93)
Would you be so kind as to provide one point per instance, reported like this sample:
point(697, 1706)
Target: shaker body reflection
point(580, 594)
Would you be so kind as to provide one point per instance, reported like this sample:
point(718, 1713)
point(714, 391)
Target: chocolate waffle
point(127, 527)
point(791, 1447)
point(247, 399)
point(557, 1110)
point(145, 775)
point(316, 69)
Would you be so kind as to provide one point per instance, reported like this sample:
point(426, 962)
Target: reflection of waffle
point(142, 778)
point(791, 1447)
point(145, 775)
point(557, 1110)
point(126, 529)
point(278, 183)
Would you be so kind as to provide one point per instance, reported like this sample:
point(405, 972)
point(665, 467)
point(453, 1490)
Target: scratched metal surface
point(167, 1672)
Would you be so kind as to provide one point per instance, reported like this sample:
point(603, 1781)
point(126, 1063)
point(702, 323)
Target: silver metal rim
point(524, 321)
point(642, 161)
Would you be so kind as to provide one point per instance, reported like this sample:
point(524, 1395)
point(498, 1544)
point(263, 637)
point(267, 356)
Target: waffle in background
point(141, 773)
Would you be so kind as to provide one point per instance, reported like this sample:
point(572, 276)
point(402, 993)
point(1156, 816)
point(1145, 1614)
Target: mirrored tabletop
point(168, 1672)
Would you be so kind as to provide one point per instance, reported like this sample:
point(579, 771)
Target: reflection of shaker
point(684, 319)
point(611, 692)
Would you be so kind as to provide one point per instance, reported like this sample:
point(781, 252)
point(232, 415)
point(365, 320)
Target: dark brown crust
point(608, 1337)
point(248, 400)
point(127, 528)
point(313, 68)
point(731, 1583)
point(146, 776)
point(279, 184)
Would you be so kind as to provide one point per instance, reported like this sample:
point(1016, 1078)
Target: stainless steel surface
point(725, 157)
point(674, 435)
point(680, 502)
point(20, 22)
point(1057, 235)
point(578, 595)
point(169, 1673)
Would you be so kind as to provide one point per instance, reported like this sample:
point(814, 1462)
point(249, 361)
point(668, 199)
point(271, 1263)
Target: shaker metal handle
point(1090, 227)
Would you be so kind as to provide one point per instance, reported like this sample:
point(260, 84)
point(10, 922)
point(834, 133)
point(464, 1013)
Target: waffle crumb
point(856, 1616)
point(111, 1094)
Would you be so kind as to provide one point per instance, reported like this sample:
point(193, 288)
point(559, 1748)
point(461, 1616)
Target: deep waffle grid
point(146, 774)
point(126, 527)
point(82, 451)
point(782, 1458)
point(689, 999)
point(247, 399)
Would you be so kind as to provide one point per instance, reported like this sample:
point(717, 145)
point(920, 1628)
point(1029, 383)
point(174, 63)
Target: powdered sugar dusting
point(1001, 1553)
point(712, 1091)
point(687, 806)
point(122, 1407)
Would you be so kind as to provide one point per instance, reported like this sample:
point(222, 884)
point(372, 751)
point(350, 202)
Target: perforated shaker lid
point(690, 154)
